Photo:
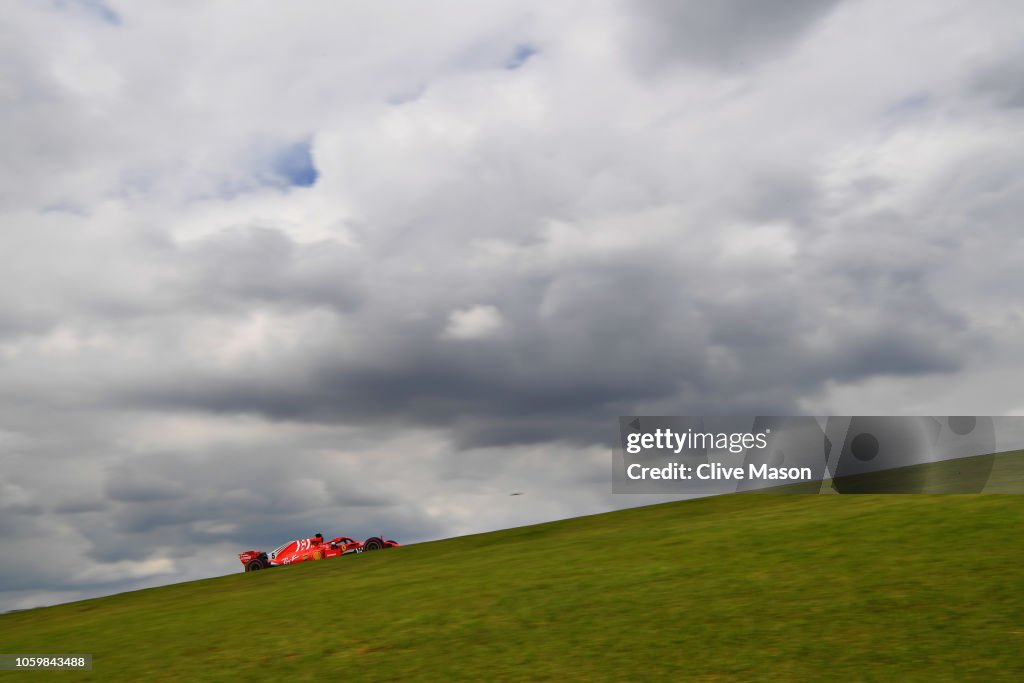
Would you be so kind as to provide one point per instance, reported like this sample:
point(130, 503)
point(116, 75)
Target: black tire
point(373, 544)
point(253, 566)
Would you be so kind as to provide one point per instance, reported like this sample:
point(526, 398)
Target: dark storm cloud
point(255, 498)
point(23, 509)
point(1002, 81)
point(16, 323)
point(607, 338)
point(78, 507)
point(258, 264)
point(595, 339)
point(780, 194)
point(723, 34)
point(149, 490)
point(247, 489)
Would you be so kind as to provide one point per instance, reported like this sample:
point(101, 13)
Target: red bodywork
point(310, 549)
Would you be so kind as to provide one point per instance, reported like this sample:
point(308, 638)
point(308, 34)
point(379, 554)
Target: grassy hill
point(741, 587)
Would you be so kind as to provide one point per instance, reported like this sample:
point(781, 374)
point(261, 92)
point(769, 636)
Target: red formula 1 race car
point(313, 548)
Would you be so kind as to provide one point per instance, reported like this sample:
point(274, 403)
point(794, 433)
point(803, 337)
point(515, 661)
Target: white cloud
point(476, 322)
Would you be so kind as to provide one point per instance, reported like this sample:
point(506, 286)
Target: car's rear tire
point(254, 566)
point(373, 544)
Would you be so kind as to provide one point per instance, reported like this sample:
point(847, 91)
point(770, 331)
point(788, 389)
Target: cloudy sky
point(268, 269)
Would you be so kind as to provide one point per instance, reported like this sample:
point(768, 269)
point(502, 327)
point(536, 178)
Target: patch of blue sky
point(97, 9)
point(263, 165)
point(520, 56)
point(294, 164)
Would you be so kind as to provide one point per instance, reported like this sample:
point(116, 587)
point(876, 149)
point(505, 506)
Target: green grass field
point(740, 587)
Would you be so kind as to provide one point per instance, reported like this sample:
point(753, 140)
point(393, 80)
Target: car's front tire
point(373, 544)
